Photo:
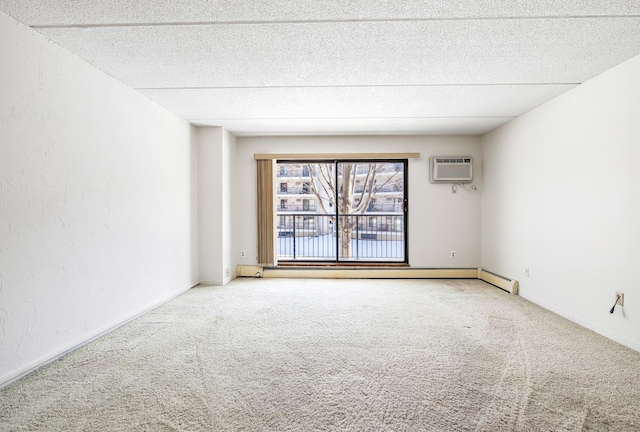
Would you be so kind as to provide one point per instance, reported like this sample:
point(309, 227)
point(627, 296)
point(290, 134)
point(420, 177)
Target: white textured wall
point(229, 259)
point(439, 221)
point(561, 198)
point(97, 199)
point(215, 166)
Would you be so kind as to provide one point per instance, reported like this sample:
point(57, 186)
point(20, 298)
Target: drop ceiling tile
point(355, 102)
point(381, 126)
point(63, 12)
point(433, 52)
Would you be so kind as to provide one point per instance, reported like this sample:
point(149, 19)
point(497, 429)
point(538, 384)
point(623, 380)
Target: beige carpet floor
point(337, 355)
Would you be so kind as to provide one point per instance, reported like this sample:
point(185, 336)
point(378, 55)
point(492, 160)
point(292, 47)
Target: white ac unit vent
point(454, 169)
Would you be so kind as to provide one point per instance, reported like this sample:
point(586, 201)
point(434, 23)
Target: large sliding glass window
point(342, 211)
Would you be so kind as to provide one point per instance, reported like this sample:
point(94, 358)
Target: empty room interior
point(132, 137)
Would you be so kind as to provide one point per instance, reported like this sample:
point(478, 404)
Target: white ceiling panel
point(355, 102)
point(88, 12)
point(346, 66)
point(370, 126)
point(373, 53)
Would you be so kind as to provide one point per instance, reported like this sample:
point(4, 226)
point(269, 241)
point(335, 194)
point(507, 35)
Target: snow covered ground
point(324, 248)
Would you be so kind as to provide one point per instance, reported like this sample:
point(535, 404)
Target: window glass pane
point(352, 211)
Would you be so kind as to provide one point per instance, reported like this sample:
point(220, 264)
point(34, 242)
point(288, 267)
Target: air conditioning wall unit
point(451, 169)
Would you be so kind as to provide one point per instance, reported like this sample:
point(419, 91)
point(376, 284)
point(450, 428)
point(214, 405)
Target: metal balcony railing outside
point(314, 237)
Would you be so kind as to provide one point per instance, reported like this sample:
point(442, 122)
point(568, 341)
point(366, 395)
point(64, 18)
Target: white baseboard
point(211, 283)
point(16, 374)
point(616, 337)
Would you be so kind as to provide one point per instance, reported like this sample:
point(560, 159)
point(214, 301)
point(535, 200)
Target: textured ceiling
point(347, 67)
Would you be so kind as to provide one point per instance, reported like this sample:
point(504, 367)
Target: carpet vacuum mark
point(336, 355)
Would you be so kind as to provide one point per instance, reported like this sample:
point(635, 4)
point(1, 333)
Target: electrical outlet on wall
point(526, 271)
point(226, 272)
point(242, 254)
point(620, 298)
point(452, 254)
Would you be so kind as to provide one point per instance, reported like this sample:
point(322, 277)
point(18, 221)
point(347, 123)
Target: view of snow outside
point(347, 211)
point(324, 248)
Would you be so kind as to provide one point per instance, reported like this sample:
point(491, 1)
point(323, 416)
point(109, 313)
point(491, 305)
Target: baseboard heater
point(509, 285)
point(312, 272)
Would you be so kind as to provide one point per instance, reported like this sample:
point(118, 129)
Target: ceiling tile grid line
point(352, 118)
point(334, 21)
point(62, 12)
point(570, 84)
